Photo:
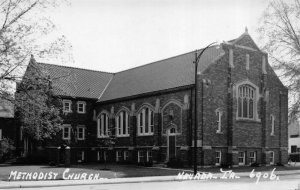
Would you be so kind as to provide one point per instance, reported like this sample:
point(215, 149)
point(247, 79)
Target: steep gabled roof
point(76, 82)
point(166, 74)
point(169, 73)
point(174, 72)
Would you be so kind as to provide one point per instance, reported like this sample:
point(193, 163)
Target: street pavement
point(190, 185)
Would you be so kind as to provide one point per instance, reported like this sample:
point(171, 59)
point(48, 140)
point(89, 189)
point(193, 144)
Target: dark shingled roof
point(161, 75)
point(75, 82)
point(166, 74)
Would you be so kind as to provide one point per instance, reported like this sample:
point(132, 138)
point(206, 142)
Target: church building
point(146, 114)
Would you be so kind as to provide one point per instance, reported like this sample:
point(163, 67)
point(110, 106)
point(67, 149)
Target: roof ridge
point(75, 68)
point(161, 60)
point(114, 73)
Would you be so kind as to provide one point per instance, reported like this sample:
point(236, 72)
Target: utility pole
point(197, 59)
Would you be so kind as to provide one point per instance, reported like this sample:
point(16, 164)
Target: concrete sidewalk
point(58, 183)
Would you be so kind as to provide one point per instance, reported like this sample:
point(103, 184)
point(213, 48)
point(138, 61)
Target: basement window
point(218, 157)
point(242, 158)
point(252, 157)
point(272, 155)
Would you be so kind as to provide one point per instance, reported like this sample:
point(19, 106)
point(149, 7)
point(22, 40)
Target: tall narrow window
point(122, 124)
point(80, 132)
point(246, 99)
point(102, 125)
point(66, 132)
point(67, 106)
point(240, 107)
point(151, 117)
point(145, 122)
point(0, 134)
point(81, 107)
point(219, 121)
point(272, 125)
point(247, 61)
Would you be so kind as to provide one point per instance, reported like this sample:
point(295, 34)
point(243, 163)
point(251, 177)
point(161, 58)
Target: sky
point(115, 35)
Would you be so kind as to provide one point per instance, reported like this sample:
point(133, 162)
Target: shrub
point(6, 149)
point(279, 164)
point(175, 163)
point(225, 165)
point(33, 159)
point(255, 164)
point(146, 164)
point(52, 163)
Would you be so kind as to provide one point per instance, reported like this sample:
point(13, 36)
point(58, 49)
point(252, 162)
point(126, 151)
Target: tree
point(109, 143)
point(279, 31)
point(39, 111)
point(26, 30)
point(6, 148)
point(22, 26)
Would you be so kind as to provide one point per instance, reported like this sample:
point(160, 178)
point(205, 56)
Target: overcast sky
point(114, 35)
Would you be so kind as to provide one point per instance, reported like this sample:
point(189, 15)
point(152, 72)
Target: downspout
point(280, 107)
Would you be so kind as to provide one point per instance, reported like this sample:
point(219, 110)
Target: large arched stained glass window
point(246, 97)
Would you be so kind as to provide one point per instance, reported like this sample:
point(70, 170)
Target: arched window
point(172, 131)
point(102, 125)
point(145, 121)
point(122, 124)
point(246, 99)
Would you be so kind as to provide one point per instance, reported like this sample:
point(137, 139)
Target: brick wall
point(239, 134)
point(162, 105)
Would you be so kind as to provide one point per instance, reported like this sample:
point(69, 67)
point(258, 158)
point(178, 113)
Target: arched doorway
point(171, 136)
